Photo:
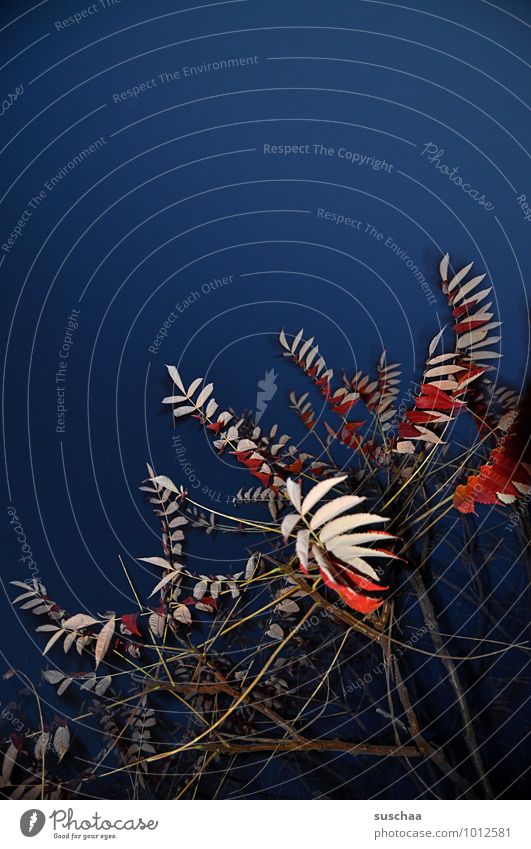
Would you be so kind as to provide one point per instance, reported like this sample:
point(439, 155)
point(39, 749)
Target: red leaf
point(130, 621)
point(211, 602)
point(352, 595)
point(464, 308)
point(468, 325)
point(405, 430)
point(353, 426)
point(294, 467)
point(343, 409)
point(190, 601)
point(435, 399)
point(263, 477)
point(241, 456)
point(414, 416)
point(18, 741)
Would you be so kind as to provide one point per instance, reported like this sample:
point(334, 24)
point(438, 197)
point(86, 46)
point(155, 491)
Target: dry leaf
point(182, 614)
point(104, 640)
point(61, 741)
point(80, 620)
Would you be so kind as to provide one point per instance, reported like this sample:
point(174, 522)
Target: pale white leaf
point(361, 538)
point(80, 620)
point(275, 632)
point(319, 491)
point(405, 446)
point(293, 490)
point(206, 608)
point(301, 547)
point(200, 589)
point(174, 399)
point(193, 386)
point(104, 640)
point(342, 545)
point(505, 498)
point(41, 745)
point(283, 341)
point(22, 596)
point(311, 356)
point(165, 580)
point(288, 523)
point(477, 297)
point(61, 741)
point(43, 608)
point(205, 393)
point(491, 340)
point(427, 436)
point(25, 586)
point(441, 371)
point(296, 341)
point(470, 338)
point(53, 676)
point(305, 347)
point(8, 763)
point(248, 445)
point(445, 385)
point(211, 408)
point(484, 355)
point(182, 614)
point(436, 339)
point(334, 508)
point(459, 276)
point(250, 567)
point(69, 641)
point(178, 522)
point(156, 624)
point(183, 411)
point(175, 376)
point(53, 639)
point(347, 523)
point(362, 567)
point(165, 482)
point(234, 591)
point(103, 685)
point(30, 604)
point(441, 358)
point(288, 607)
point(156, 561)
point(466, 288)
